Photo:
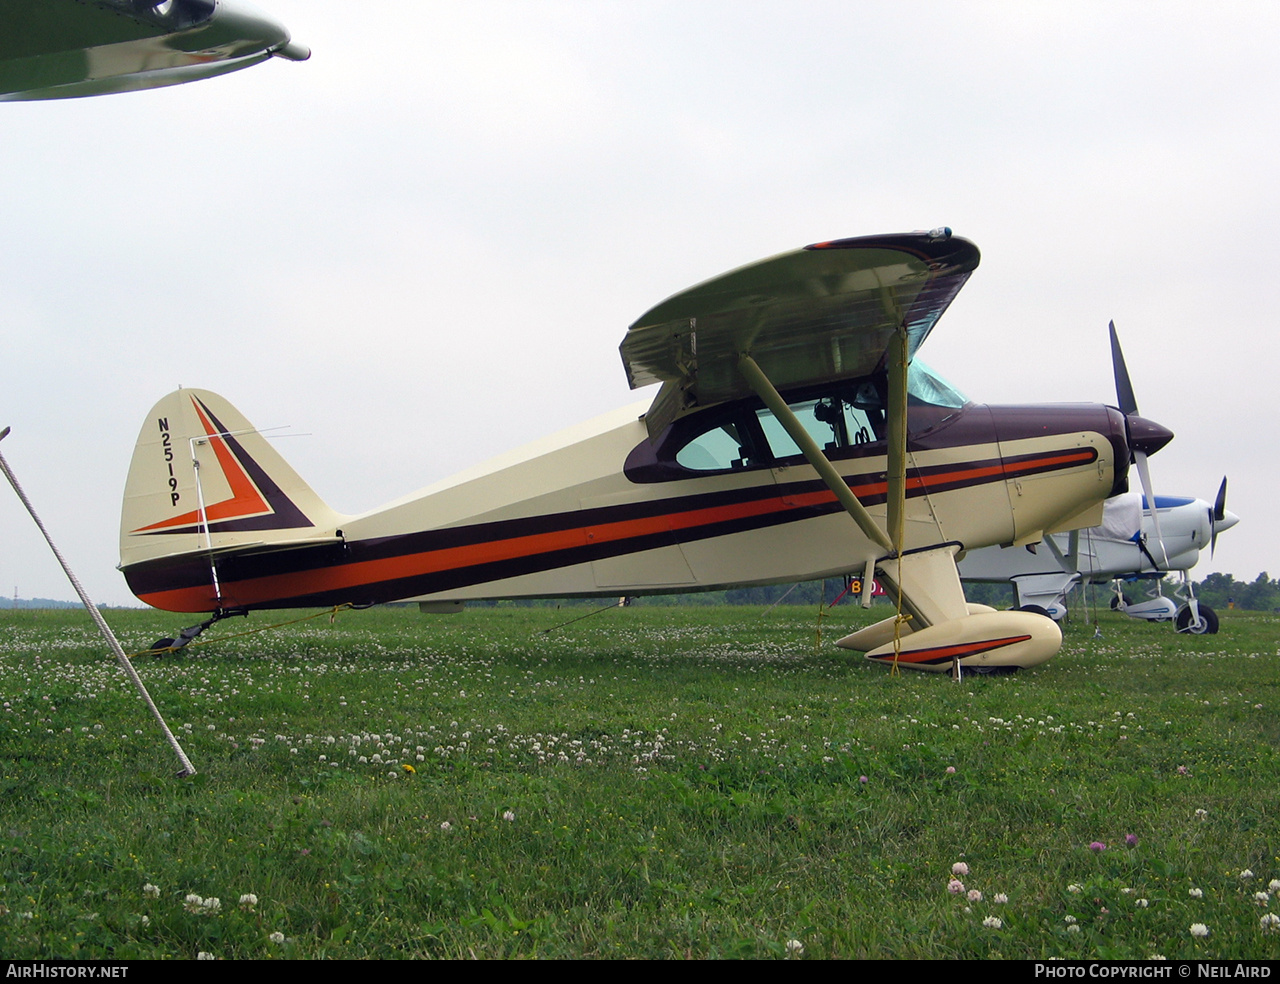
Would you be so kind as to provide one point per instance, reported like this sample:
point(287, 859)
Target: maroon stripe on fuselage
point(409, 564)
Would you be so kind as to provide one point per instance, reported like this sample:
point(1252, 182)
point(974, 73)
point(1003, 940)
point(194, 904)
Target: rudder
point(204, 480)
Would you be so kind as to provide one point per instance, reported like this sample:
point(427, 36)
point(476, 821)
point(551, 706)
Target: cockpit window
point(843, 417)
point(715, 449)
point(926, 386)
point(833, 422)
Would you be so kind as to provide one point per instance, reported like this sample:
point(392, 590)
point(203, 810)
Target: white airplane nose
point(1228, 520)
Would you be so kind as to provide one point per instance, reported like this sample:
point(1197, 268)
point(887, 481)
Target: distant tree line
point(1262, 594)
point(1217, 590)
point(804, 593)
point(38, 603)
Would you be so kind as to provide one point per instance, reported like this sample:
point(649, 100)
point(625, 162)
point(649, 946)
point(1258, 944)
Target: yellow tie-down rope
point(332, 613)
point(823, 612)
point(899, 621)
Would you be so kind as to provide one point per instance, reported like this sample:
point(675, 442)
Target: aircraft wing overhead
point(56, 49)
point(824, 312)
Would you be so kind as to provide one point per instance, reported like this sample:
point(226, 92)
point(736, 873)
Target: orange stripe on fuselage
point(245, 499)
point(260, 590)
point(276, 587)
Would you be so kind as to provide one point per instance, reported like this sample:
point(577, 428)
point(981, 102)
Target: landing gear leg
point(1194, 617)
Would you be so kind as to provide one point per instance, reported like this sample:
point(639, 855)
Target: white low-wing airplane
point(1125, 547)
point(57, 49)
point(788, 441)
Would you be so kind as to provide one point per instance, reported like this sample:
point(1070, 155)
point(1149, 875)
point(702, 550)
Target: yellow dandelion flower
point(408, 768)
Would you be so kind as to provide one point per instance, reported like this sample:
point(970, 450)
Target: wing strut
point(896, 472)
point(813, 454)
point(890, 543)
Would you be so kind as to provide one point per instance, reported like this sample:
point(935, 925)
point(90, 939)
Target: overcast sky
point(422, 247)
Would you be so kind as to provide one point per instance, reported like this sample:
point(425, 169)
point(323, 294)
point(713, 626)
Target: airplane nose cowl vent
point(1146, 435)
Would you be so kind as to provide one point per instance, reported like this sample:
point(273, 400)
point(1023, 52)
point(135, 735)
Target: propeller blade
point(1144, 473)
point(1124, 388)
point(1218, 514)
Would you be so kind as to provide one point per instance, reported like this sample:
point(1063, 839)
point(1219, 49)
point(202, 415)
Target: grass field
point(648, 782)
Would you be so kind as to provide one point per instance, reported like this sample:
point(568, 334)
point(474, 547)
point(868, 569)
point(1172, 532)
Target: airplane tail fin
point(204, 484)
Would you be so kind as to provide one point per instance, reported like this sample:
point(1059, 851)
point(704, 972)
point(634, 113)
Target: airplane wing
point(57, 49)
point(824, 312)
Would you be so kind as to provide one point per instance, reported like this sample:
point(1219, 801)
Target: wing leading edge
point(824, 312)
point(57, 49)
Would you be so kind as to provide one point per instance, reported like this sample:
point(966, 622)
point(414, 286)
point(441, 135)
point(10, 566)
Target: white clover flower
point(1075, 888)
point(1262, 898)
point(1069, 920)
point(144, 922)
point(993, 922)
point(1246, 875)
point(1157, 956)
point(1000, 898)
point(795, 948)
point(193, 903)
point(509, 816)
point(1140, 903)
point(1273, 885)
point(276, 937)
point(211, 907)
point(1195, 893)
point(151, 891)
point(974, 895)
point(955, 886)
point(446, 825)
point(248, 901)
point(959, 868)
point(202, 955)
point(1073, 928)
point(1199, 930)
point(1270, 922)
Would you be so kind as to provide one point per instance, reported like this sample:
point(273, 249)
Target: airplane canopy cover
point(55, 49)
point(825, 312)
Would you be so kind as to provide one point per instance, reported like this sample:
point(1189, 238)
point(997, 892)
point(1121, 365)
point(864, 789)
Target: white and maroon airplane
point(794, 436)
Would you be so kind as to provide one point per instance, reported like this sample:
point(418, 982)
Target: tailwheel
point(160, 646)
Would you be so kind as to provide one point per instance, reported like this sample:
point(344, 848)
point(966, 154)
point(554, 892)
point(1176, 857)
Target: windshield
point(926, 386)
